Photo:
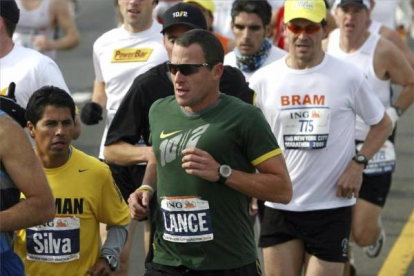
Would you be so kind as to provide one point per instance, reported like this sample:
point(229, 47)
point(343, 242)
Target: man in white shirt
point(251, 25)
point(119, 56)
point(27, 68)
point(310, 99)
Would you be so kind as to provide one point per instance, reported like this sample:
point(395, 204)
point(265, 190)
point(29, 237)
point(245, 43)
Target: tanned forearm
point(125, 154)
point(274, 186)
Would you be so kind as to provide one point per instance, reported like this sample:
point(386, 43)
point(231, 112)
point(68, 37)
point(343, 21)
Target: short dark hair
point(10, 26)
point(262, 8)
point(48, 95)
point(209, 43)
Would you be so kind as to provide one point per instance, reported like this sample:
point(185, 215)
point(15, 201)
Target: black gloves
point(9, 105)
point(91, 113)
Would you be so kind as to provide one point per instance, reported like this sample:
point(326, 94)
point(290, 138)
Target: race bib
point(383, 161)
point(54, 242)
point(186, 219)
point(305, 128)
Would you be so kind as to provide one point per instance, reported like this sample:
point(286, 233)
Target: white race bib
point(56, 241)
point(186, 219)
point(383, 161)
point(306, 127)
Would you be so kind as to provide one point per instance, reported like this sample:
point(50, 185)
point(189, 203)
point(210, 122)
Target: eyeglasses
point(310, 29)
point(187, 69)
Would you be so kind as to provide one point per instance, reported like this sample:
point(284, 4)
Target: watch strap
point(365, 163)
point(221, 180)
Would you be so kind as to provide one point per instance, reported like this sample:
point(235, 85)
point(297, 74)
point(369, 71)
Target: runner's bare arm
point(22, 165)
point(272, 183)
point(125, 154)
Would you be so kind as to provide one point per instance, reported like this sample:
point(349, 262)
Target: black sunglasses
point(187, 69)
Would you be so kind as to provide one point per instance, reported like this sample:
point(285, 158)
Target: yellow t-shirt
point(85, 194)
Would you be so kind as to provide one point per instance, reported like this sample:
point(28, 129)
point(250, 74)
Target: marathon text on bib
point(305, 127)
point(131, 55)
point(186, 219)
point(56, 241)
point(383, 161)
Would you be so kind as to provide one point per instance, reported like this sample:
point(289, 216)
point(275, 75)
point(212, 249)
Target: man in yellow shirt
point(85, 195)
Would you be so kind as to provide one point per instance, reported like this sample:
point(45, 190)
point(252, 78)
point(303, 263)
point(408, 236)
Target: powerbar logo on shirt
point(186, 219)
point(131, 55)
point(54, 242)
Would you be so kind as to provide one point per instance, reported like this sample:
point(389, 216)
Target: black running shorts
point(375, 188)
point(153, 269)
point(325, 233)
point(128, 178)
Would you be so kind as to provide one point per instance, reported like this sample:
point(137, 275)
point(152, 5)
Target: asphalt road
point(95, 17)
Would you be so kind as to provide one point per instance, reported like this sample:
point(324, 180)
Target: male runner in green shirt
point(207, 147)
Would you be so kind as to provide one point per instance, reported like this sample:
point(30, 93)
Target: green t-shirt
point(204, 225)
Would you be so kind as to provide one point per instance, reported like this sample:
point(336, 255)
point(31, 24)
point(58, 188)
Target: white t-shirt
point(312, 114)
point(29, 70)
point(275, 54)
point(119, 57)
point(363, 58)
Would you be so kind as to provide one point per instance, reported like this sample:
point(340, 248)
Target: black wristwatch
point(398, 110)
point(361, 159)
point(224, 172)
point(112, 261)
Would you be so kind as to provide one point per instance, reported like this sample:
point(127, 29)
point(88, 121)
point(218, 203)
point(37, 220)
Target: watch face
point(225, 171)
point(360, 158)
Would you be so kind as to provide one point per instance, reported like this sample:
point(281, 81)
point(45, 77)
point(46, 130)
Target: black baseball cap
point(9, 10)
point(184, 14)
point(362, 3)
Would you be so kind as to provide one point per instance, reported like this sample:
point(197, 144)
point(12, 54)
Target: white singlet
point(34, 23)
point(363, 58)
